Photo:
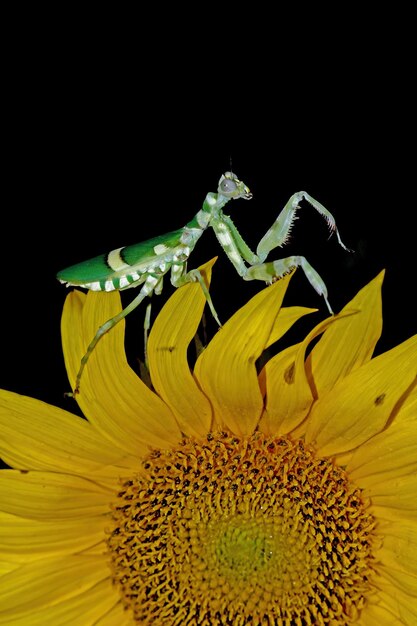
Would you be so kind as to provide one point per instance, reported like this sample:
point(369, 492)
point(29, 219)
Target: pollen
point(241, 531)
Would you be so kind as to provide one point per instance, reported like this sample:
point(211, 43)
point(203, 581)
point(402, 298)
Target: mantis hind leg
point(146, 328)
point(148, 287)
point(273, 270)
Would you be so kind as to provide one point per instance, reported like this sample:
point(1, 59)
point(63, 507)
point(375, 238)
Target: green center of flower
point(241, 531)
point(244, 548)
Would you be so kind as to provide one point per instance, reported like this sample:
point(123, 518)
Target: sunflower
point(253, 490)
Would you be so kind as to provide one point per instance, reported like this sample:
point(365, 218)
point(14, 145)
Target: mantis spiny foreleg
point(280, 230)
point(239, 252)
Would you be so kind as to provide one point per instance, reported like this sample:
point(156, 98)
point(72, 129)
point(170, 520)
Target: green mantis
point(145, 264)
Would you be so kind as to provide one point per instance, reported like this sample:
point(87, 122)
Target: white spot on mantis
point(189, 237)
point(109, 286)
point(234, 257)
point(123, 282)
point(93, 286)
point(150, 284)
point(160, 248)
point(203, 219)
point(224, 238)
point(115, 261)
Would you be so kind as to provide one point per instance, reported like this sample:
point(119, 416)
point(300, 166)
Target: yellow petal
point(111, 395)
point(349, 344)
point(398, 552)
point(379, 615)
point(226, 370)
point(360, 404)
point(117, 616)
point(397, 600)
point(168, 343)
point(86, 608)
point(395, 498)
point(288, 392)
point(72, 330)
point(286, 318)
point(23, 539)
point(7, 566)
point(36, 435)
point(404, 580)
point(388, 455)
point(49, 496)
point(74, 590)
point(408, 411)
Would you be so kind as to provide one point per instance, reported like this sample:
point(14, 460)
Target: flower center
point(241, 531)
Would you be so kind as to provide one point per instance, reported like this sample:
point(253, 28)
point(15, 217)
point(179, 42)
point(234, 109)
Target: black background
point(112, 138)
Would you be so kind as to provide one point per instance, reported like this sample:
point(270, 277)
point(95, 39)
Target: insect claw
point(71, 394)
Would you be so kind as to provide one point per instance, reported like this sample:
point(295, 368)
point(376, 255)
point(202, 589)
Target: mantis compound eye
point(227, 184)
point(231, 187)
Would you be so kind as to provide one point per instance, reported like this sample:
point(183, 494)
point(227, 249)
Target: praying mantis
point(145, 264)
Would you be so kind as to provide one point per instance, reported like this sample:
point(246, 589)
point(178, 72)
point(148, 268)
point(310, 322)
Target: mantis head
point(231, 187)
